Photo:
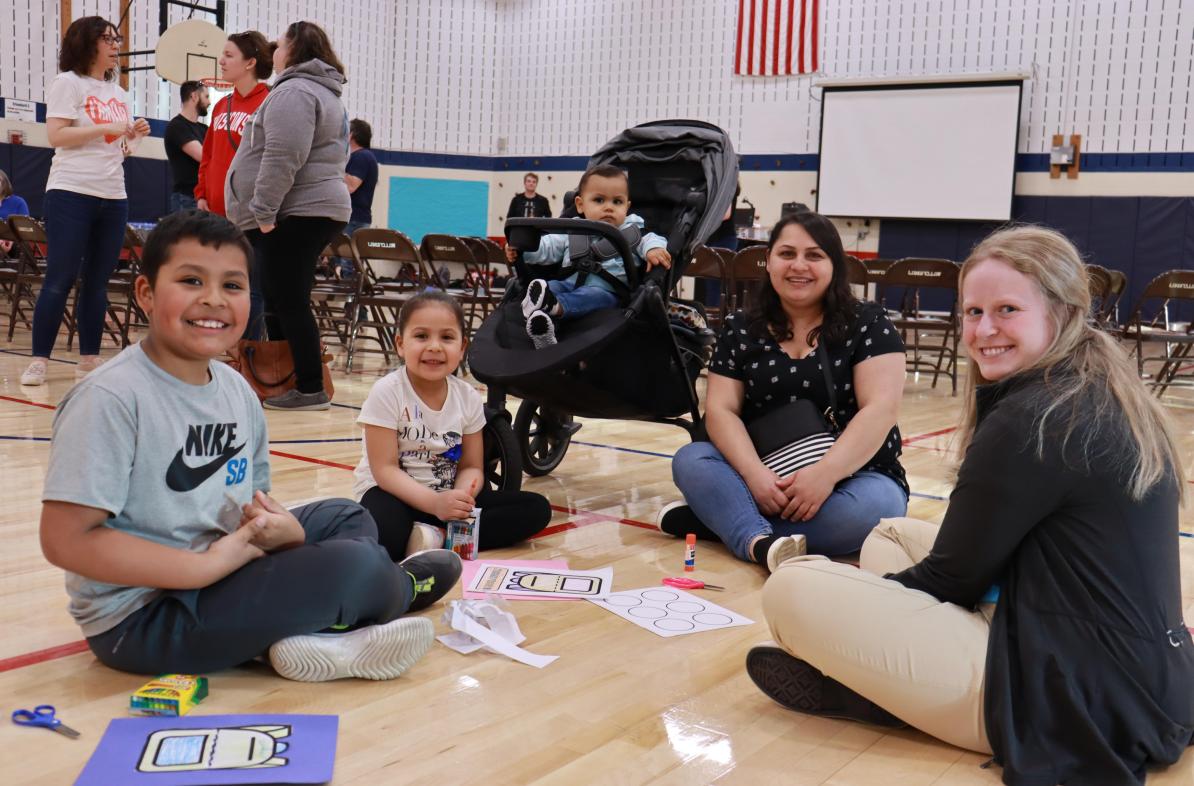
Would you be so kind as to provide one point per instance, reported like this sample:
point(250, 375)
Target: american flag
point(776, 37)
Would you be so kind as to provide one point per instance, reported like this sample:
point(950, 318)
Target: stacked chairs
point(30, 244)
point(333, 297)
point(708, 265)
point(124, 314)
point(10, 266)
point(1152, 322)
point(391, 271)
point(912, 278)
point(748, 269)
point(472, 289)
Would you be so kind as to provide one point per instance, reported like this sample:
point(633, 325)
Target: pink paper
point(472, 566)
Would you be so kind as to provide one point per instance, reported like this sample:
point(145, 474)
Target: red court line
point(937, 433)
point(41, 656)
point(297, 457)
point(27, 401)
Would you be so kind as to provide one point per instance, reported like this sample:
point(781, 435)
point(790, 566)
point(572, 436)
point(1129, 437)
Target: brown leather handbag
point(268, 367)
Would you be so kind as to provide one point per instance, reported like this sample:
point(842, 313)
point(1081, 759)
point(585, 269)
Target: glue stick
point(690, 552)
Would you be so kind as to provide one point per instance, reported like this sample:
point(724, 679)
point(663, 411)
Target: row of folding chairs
point(360, 310)
point(23, 273)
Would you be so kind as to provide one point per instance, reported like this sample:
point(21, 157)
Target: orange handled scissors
point(690, 584)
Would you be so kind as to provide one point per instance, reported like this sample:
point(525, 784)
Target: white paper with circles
point(667, 612)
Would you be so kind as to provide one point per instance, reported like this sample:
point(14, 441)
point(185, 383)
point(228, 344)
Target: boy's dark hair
point(188, 89)
point(602, 170)
point(209, 229)
point(308, 41)
point(426, 298)
point(80, 45)
point(253, 46)
point(361, 132)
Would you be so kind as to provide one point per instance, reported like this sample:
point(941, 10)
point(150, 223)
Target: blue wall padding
point(420, 206)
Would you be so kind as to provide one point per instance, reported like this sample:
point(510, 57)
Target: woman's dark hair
point(208, 229)
point(253, 46)
point(767, 316)
point(308, 41)
point(602, 170)
point(361, 132)
point(430, 297)
point(80, 45)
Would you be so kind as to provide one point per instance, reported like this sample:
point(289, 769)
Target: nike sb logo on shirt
point(214, 441)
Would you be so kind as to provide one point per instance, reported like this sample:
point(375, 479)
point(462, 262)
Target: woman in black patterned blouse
point(766, 359)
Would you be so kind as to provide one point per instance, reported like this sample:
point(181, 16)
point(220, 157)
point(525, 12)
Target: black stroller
point(633, 362)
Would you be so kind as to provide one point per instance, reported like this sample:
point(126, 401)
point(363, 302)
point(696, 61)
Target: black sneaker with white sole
point(435, 572)
point(799, 686)
point(541, 329)
point(539, 297)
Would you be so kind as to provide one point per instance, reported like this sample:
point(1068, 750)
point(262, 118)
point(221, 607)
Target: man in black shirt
point(529, 204)
point(360, 175)
point(184, 145)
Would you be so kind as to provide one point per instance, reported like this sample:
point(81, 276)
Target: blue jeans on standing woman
point(85, 235)
point(722, 501)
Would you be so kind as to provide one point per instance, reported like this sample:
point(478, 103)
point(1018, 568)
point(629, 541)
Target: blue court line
point(312, 441)
point(26, 439)
point(30, 354)
point(345, 406)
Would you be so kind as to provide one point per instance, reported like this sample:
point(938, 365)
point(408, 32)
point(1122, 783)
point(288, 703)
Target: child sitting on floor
point(422, 456)
point(603, 195)
point(156, 505)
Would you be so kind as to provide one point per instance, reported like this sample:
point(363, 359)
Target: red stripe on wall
point(813, 43)
point(738, 45)
point(775, 40)
point(800, 58)
point(791, 13)
point(750, 44)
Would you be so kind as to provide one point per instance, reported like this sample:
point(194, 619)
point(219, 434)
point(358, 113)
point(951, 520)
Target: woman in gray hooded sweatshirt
point(286, 189)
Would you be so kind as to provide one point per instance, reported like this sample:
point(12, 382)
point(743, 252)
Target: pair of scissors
point(42, 715)
point(690, 584)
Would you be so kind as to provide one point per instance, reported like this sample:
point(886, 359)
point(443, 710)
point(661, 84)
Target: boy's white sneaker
point(541, 329)
point(535, 298)
point(378, 652)
point(35, 374)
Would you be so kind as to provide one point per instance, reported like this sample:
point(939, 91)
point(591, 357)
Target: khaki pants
point(918, 658)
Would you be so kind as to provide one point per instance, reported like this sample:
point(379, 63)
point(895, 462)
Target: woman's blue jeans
point(84, 236)
point(722, 501)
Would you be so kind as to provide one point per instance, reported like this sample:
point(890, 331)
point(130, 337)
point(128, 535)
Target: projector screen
point(937, 151)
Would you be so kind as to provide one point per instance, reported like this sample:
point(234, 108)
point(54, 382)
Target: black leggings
point(340, 576)
point(287, 258)
point(507, 517)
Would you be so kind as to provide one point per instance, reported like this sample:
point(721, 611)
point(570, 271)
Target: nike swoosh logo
point(180, 477)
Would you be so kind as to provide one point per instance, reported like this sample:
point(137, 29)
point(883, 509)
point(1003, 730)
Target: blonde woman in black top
point(1043, 620)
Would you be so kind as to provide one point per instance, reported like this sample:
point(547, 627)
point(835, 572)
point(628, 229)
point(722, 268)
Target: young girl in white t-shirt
point(422, 456)
point(90, 124)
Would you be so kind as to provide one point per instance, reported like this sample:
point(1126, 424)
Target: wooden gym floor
point(620, 706)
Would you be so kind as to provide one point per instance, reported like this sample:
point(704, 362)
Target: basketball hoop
point(216, 84)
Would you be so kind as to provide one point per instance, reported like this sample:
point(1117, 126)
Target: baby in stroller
point(603, 195)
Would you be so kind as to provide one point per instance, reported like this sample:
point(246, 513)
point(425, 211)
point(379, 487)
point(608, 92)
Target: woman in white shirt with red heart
point(90, 124)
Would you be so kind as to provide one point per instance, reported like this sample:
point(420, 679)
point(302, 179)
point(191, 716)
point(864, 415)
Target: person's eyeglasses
point(112, 39)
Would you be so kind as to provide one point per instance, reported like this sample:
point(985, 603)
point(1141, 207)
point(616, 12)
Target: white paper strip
point(499, 633)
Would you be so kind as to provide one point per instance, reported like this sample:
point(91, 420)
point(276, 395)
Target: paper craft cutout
point(542, 583)
point(670, 612)
point(488, 624)
point(471, 568)
point(214, 749)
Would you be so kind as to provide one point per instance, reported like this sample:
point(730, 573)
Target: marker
point(690, 552)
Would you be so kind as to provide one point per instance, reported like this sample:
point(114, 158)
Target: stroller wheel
point(544, 436)
point(503, 464)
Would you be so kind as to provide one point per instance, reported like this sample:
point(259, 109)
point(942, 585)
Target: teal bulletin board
point(422, 205)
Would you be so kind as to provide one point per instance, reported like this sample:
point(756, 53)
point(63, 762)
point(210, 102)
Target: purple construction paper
point(211, 750)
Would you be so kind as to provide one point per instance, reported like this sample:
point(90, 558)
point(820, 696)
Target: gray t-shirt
point(159, 455)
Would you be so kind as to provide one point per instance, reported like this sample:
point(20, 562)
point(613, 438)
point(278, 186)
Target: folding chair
point(31, 245)
point(1109, 314)
point(912, 277)
point(389, 269)
point(465, 277)
point(707, 266)
point(747, 271)
point(332, 298)
point(1166, 293)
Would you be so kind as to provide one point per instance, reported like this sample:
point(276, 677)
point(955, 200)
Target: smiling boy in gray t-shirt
point(155, 502)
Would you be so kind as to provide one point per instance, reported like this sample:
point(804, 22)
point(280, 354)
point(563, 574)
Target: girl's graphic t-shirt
point(95, 168)
point(429, 441)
